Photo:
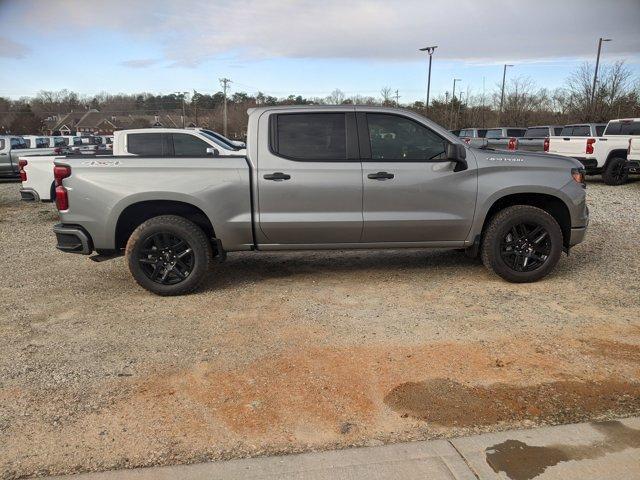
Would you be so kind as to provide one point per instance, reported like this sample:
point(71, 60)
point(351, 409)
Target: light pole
point(453, 97)
point(595, 74)
point(504, 76)
point(430, 51)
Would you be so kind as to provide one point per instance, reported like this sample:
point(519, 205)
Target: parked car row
point(12, 147)
point(602, 148)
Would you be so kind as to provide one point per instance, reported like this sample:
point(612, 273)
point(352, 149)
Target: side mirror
point(214, 152)
point(457, 153)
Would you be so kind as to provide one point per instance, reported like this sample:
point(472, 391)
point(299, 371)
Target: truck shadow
point(252, 267)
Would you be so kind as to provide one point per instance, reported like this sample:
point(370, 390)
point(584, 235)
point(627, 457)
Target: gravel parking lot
point(302, 351)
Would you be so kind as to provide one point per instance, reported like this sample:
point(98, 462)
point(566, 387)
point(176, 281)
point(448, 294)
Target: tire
point(614, 173)
point(538, 250)
point(168, 255)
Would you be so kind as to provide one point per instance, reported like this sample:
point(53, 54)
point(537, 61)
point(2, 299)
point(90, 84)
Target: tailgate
point(568, 146)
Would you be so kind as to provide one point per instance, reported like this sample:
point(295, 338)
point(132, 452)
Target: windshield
point(224, 141)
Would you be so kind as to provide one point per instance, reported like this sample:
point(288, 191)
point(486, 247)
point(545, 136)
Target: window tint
point(581, 131)
point(145, 144)
point(59, 142)
point(18, 143)
point(42, 142)
point(397, 138)
point(600, 130)
point(567, 131)
point(623, 128)
point(494, 133)
point(515, 132)
point(539, 132)
point(189, 145)
point(482, 133)
point(1, 144)
point(557, 131)
point(311, 136)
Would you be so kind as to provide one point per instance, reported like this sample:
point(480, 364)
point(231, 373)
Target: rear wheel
point(522, 244)
point(168, 255)
point(614, 172)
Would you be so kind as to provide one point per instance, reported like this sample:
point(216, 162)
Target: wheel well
point(137, 213)
point(550, 204)
point(615, 153)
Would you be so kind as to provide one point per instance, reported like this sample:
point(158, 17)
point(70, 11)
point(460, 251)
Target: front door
point(411, 192)
point(309, 179)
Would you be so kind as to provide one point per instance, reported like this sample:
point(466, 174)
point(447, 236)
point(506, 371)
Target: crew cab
point(321, 177)
point(611, 149)
point(578, 141)
point(37, 174)
point(467, 134)
point(536, 139)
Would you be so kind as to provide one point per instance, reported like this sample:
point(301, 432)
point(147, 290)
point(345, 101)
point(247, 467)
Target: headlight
point(578, 176)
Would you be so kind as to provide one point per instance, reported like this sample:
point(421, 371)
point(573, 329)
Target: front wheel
point(522, 244)
point(614, 172)
point(168, 255)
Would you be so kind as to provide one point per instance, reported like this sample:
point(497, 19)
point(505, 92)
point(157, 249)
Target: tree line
point(617, 95)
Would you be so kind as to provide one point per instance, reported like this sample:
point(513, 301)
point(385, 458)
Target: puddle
point(520, 461)
point(449, 403)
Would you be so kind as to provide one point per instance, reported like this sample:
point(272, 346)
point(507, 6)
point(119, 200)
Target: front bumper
point(29, 195)
point(73, 239)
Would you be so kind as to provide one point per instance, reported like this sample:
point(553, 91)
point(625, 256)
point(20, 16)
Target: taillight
point(629, 149)
point(545, 145)
point(467, 140)
point(23, 175)
point(578, 175)
point(60, 172)
point(590, 142)
point(513, 143)
point(57, 151)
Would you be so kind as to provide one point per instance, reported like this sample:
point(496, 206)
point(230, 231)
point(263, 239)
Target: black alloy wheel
point(166, 258)
point(525, 247)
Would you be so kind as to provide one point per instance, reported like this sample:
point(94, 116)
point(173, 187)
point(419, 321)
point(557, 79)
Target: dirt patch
point(449, 403)
point(614, 350)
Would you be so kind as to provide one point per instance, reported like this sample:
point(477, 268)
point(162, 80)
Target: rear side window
point(540, 132)
point(186, 145)
point(397, 138)
point(311, 136)
point(146, 144)
point(557, 131)
point(515, 132)
point(600, 130)
point(623, 128)
point(18, 143)
point(494, 133)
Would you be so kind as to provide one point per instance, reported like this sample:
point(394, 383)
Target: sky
point(305, 47)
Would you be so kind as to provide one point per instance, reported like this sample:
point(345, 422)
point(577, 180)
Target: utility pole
point(225, 85)
point(397, 99)
point(595, 75)
point(453, 97)
point(504, 76)
point(483, 79)
point(430, 51)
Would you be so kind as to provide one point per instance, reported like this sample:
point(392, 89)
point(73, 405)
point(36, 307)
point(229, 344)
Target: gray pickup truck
point(321, 178)
point(12, 147)
point(536, 139)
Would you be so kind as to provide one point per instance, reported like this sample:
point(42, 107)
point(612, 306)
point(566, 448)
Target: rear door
point(411, 192)
point(309, 178)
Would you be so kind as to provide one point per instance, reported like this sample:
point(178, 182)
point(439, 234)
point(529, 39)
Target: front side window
point(494, 133)
point(186, 145)
point(398, 138)
point(145, 144)
point(311, 136)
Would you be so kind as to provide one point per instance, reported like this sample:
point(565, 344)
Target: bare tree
point(386, 94)
point(336, 97)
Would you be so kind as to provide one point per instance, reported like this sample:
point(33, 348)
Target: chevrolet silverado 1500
point(322, 178)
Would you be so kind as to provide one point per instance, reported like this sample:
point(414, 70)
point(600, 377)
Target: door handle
point(277, 176)
point(380, 176)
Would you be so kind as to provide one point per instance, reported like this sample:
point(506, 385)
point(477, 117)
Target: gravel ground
point(302, 351)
